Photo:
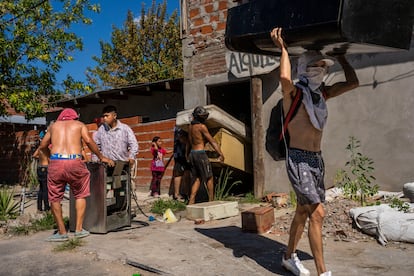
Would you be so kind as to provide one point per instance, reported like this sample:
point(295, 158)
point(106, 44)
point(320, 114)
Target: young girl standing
point(157, 165)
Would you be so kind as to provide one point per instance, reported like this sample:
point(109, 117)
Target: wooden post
point(258, 135)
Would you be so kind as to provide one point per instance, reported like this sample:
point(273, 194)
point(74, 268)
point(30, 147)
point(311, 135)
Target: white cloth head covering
point(314, 75)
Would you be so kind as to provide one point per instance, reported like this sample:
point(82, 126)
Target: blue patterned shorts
point(306, 172)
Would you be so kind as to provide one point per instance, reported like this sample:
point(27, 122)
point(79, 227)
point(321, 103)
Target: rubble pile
point(337, 225)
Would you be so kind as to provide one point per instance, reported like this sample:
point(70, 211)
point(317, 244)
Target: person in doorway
point(181, 166)
point(43, 162)
point(201, 170)
point(66, 166)
point(157, 165)
point(116, 139)
point(304, 163)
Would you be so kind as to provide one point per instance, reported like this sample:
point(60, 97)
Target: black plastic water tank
point(354, 26)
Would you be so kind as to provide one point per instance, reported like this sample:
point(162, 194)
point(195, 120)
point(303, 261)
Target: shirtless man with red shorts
point(66, 166)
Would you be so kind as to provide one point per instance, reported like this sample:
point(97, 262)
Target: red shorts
point(72, 172)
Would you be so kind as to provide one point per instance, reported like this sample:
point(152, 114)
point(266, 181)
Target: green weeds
point(159, 206)
point(223, 186)
point(68, 245)
point(356, 180)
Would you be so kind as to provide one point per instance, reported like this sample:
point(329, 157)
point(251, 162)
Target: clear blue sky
point(113, 13)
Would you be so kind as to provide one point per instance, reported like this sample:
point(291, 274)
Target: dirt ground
point(216, 247)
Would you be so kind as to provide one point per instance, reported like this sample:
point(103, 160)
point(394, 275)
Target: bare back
point(199, 135)
point(66, 137)
point(197, 139)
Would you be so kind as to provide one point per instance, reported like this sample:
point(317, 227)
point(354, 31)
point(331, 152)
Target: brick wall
point(144, 133)
point(17, 145)
point(204, 37)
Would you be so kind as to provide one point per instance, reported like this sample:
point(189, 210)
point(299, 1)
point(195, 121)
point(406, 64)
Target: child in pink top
point(157, 165)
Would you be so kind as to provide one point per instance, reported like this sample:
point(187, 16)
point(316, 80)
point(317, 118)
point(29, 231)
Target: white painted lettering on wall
point(244, 64)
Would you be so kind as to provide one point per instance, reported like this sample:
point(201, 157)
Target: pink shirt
point(157, 163)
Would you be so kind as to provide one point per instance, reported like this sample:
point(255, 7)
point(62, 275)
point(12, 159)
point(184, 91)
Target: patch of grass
point(223, 186)
point(45, 223)
point(159, 206)
point(20, 230)
point(69, 245)
point(249, 198)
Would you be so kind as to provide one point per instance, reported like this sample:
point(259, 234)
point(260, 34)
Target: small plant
point(159, 206)
point(45, 223)
point(292, 199)
point(20, 230)
point(399, 205)
point(223, 187)
point(249, 198)
point(68, 245)
point(9, 208)
point(357, 186)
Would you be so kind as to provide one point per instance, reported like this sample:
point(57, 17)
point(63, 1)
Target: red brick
point(209, 8)
point(214, 18)
point(223, 5)
point(131, 120)
point(206, 29)
point(194, 12)
point(221, 26)
point(198, 22)
point(195, 31)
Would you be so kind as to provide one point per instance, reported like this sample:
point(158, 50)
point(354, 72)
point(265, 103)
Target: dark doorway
point(234, 98)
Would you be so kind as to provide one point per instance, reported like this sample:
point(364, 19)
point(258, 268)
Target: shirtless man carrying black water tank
point(201, 171)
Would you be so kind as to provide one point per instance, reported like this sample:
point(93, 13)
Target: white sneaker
point(295, 266)
point(327, 273)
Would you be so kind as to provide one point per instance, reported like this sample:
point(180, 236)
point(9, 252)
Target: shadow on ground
point(262, 250)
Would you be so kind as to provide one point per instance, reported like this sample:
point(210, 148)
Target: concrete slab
point(212, 210)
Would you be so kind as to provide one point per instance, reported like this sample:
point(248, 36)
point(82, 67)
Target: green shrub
point(356, 182)
point(9, 208)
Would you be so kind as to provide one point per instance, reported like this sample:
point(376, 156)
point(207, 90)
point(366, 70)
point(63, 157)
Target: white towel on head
point(314, 75)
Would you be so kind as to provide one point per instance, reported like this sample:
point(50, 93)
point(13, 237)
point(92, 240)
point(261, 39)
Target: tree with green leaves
point(35, 40)
point(146, 49)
